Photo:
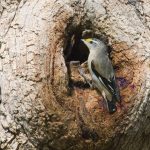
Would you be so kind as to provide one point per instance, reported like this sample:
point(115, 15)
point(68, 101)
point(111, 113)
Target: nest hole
point(75, 50)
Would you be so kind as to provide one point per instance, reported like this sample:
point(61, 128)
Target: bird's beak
point(85, 42)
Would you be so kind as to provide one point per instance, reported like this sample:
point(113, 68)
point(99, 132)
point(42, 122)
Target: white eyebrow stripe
point(96, 41)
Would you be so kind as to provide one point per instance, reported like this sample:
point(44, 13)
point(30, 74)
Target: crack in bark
point(12, 139)
point(10, 24)
point(2, 13)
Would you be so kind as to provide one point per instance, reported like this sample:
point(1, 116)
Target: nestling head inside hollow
point(95, 44)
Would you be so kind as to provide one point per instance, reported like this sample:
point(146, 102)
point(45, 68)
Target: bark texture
point(36, 111)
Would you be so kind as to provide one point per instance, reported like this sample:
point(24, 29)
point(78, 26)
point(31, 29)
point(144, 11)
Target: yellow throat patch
point(88, 40)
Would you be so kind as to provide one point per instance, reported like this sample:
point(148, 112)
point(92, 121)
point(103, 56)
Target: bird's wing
point(110, 83)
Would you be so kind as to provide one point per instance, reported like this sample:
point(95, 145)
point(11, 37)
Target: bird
point(102, 73)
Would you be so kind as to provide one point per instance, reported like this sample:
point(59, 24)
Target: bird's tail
point(111, 105)
point(116, 97)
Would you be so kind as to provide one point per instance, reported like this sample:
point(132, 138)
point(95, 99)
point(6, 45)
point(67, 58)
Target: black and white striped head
point(94, 44)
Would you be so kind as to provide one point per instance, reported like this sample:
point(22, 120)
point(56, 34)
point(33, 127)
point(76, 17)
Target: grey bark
point(35, 111)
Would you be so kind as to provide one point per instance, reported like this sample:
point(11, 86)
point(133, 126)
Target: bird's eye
point(91, 42)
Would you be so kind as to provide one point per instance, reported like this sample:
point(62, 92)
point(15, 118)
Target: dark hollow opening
point(75, 49)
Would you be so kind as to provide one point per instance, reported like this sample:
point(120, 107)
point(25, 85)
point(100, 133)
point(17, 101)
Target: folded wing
point(109, 84)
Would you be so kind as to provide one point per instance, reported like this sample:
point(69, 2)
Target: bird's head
point(93, 44)
point(90, 42)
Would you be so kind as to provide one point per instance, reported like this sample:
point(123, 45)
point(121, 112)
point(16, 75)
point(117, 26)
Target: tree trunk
point(43, 103)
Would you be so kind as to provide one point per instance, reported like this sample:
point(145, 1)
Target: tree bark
point(36, 110)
